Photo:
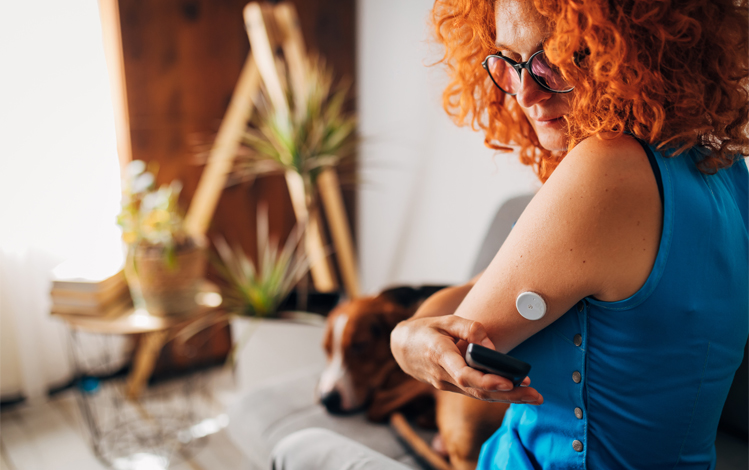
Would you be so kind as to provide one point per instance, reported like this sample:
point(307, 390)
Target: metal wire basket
point(168, 421)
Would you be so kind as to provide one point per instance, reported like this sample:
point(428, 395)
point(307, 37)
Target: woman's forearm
point(428, 347)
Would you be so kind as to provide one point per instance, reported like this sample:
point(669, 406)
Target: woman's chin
point(554, 140)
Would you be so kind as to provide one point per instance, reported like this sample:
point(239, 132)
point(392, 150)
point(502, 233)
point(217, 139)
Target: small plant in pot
point(257, 290)
point(164, 266)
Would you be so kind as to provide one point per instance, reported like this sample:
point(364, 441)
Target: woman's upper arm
point(592, 229)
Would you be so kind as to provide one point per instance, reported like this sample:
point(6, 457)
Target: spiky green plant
point(257, 290)
point(253, 290)
point(315, 133)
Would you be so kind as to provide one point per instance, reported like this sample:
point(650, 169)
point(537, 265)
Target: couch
point(284, 360)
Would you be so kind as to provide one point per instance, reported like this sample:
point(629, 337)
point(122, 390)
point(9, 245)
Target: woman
point(637, 240)
point(634, 115)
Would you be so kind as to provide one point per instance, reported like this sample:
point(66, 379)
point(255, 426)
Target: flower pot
point(268, 348)
point(167, 285)
point(242, 330)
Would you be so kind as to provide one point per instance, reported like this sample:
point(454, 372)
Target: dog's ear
point(388, 316)
point(380, 328)
point(429, 290)
point(407, 296)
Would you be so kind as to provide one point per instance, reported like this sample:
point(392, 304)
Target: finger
point(453, 362)
point(462, 346)
point(466, 377)
point(489, 387)
point(468, 330)
point(526, 395)
point(488, 382)
point(447, 386)
point(495, 383)
point(469, 378)
point(458, 373)
point(522, 395)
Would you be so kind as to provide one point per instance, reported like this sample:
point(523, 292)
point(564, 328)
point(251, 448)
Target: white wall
point(59, 178)
point(429, 189)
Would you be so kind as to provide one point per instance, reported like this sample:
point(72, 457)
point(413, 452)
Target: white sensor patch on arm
point(531, 306)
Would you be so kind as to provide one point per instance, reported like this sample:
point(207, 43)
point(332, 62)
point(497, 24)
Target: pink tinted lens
point(547, 74)
point(504, 75)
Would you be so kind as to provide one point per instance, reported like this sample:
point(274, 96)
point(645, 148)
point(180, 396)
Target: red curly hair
point(671, 73)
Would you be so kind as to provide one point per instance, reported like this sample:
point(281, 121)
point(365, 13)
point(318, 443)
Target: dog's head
point(357, 345)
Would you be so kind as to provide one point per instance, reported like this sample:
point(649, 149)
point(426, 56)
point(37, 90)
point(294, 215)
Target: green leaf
point(317, 131)
point(257, 289)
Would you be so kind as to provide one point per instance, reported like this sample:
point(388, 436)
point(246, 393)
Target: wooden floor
point(52, 435)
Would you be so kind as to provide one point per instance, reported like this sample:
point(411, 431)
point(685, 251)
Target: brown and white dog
point(362, 373)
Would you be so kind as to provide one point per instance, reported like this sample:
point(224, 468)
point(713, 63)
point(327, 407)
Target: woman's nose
point(530, 93)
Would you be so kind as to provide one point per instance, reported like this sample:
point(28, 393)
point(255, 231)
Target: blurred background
point(87, 87)
point(421, 200)
point(90, 377)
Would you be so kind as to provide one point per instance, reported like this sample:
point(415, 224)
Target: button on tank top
point(640, 383)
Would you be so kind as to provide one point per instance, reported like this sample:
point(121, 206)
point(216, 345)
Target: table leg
point(144, 361)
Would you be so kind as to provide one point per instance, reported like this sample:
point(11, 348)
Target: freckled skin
point(600, 225)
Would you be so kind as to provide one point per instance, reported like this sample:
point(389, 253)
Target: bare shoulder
point(602, 180)
point(616, 166)
point(593, 229)
point(610, 195)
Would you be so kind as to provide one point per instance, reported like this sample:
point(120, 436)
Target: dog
point(361, 373)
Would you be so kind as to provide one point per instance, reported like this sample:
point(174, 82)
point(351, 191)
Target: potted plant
point(252, 290)
point(306, 138)
point(315, 134)
point(164, 266)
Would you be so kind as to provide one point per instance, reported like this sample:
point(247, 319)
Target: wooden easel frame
point(268, 27)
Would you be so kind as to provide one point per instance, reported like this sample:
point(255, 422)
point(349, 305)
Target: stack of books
point(78, 290)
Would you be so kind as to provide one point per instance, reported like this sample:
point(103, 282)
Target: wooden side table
point(127, 422)
point(157, 331)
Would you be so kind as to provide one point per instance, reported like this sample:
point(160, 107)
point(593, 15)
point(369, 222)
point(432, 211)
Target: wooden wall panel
point(182, 60)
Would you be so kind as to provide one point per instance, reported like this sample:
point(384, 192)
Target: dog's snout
point(332, 402)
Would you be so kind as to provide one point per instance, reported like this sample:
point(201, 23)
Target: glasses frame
point(519, 69)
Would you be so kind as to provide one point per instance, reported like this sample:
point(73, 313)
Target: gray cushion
point(278, 407)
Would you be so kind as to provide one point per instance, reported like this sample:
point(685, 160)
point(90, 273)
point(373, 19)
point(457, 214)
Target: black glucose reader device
point(494, 362)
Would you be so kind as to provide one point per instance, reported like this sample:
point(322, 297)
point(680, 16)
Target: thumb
point(467, 330)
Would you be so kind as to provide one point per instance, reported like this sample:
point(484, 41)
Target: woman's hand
point(432, 350)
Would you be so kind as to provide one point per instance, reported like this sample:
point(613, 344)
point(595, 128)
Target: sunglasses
point(505, 73)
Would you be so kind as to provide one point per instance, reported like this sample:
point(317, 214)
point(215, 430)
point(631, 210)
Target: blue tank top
point(640, 383)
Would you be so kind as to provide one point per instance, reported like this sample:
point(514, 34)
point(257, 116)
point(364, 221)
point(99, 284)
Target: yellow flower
point(129, 237)
point(156, 217)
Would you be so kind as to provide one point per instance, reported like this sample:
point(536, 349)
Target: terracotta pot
point(168, 289)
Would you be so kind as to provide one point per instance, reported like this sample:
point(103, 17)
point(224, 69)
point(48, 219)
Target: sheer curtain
point(59, 177)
